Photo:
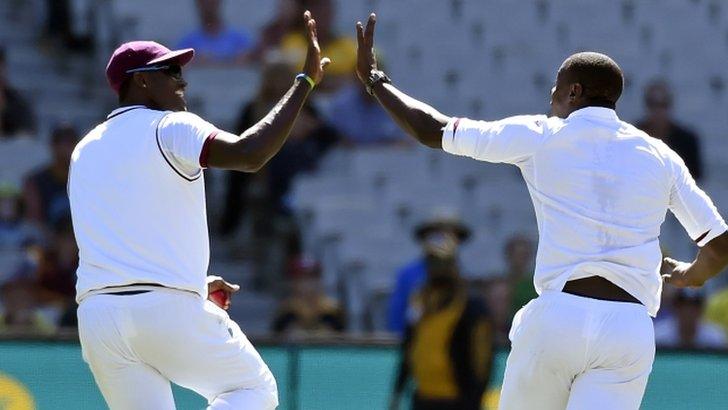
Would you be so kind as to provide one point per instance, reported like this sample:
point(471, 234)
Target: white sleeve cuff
point(448, 135)
point(718, 228)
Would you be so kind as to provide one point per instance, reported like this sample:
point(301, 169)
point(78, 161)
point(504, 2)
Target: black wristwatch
point(376, 76)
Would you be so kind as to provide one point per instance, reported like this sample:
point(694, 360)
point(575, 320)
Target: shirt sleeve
point(691, 206)
point(511, 140)
point(183, 139)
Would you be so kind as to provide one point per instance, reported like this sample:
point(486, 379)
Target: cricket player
point(601, 189)
point(138, 205)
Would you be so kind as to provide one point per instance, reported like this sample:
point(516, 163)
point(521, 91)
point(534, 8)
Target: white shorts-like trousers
point(572, 352)
point(137, 344)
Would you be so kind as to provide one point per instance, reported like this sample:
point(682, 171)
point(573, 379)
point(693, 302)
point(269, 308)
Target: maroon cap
point(138, 54)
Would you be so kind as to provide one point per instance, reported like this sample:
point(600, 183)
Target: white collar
point(598, 112)
point(124, 109)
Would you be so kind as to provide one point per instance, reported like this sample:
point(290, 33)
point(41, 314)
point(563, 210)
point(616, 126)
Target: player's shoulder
point(180, 118)
point(528, 119)
point(643, 138)
point(536, 124)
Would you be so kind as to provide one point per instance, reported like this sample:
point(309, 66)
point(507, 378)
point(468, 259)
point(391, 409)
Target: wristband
point(375, 77)
point(303, 76)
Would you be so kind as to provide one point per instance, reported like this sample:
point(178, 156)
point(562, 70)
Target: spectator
point(14, 232)
point(66, 29)
point(45, 197)
point(519, 255)
point(287, 20)
point(659, 123)
point(213, 41)
point(685, 329)
point(431, 235)
point(498, 295)
point(448, 345)
point(43, 298)
point(16, 116)
point(307, 311)
point(341, 49)
point(716, 310)
point(309, 139)
point(360, 120)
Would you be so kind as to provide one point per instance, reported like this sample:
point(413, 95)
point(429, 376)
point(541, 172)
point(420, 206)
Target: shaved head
point(598, 74)
point(587, 79)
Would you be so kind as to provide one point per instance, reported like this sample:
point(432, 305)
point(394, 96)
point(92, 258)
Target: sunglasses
point(172, 70)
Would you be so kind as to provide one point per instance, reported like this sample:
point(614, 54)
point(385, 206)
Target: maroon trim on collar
point(206, 149)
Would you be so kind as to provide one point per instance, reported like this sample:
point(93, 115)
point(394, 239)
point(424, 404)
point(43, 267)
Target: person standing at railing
point(448, 344)
point(429, 234)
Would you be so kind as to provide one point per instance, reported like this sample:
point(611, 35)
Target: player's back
point(136, 218)
point(601, 189)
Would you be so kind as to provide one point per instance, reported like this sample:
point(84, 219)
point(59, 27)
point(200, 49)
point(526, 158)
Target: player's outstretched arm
point(415, 117)
point(711, 260)
point(258, 144)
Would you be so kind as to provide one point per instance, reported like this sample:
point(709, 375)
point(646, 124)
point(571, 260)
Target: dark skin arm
point(251, 150)
point(710, 260)
point(418, 119)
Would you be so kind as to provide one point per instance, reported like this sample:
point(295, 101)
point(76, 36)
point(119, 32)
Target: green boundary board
point(55, 376)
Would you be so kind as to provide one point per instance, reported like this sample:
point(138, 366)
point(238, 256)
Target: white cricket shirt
point(137, 198)
point(600, 188)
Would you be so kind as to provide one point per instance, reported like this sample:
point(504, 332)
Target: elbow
point(248, 159)
point(251, 165)
point(430, 139)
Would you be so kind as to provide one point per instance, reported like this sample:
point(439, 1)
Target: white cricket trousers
point(577, 353)
point(136, 344)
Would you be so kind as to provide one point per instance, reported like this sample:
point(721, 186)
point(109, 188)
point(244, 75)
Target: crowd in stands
point(38, 254)
point(16, 114)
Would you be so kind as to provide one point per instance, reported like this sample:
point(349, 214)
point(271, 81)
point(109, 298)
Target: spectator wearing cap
point(307, 310)
point(660, 123)
point(432, 235)
point(44, 195)
point(16, 115)
point(686, 329)
point(214, 42)
point(448, 342)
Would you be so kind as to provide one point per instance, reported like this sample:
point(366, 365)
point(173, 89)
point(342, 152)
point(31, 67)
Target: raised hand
point(315, 64)
point(366, 60)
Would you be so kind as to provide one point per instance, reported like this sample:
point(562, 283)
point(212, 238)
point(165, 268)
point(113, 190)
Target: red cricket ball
point(220, 298)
